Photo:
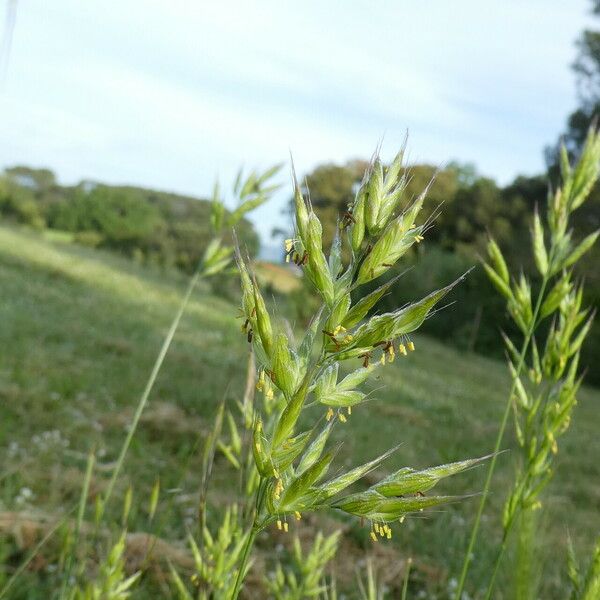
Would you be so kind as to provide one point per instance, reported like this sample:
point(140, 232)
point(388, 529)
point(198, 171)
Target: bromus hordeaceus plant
point(289, 443)
point(545, 377)
point(112, 582)
point(215, 559)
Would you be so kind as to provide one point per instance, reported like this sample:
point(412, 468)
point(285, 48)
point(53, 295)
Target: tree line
point(151, 226)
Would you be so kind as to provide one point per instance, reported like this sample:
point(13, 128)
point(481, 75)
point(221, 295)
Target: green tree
point(39, 180)
point(19, 204)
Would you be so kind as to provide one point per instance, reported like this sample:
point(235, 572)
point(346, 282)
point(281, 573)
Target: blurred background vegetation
point(149, 226)
point(80, 327)
point(171, 230)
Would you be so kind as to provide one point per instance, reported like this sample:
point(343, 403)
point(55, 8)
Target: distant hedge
point(149, 225)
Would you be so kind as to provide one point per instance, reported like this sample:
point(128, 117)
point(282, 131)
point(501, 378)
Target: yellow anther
point(285, 527)
point(342, 418)
point(297, 515)
point(389, 534)
point(275, 473)
point(269, 394)
point(402, 349)
point(260, 384)
point(376, 527)
point(536, 505)
point(278, 489)
point(289, 244)
point(279, 524)
point(373, 536)
point(411, 346)
point(349, 409)
point(287, 258)
point(382, 359)
point(391, 354)
point(329, 414)
point(554, 447)
point(419, 238)
point(381, 532)
point(402, 519)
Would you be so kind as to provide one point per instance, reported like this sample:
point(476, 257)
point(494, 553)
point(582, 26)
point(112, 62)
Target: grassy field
point(79, 330)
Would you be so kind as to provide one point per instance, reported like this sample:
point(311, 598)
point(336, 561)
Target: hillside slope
point(79, 330)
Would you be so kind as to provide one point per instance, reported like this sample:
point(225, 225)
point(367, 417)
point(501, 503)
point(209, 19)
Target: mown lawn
point(79, 331)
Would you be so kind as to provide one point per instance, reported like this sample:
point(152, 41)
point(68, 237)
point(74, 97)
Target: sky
point(172, 94)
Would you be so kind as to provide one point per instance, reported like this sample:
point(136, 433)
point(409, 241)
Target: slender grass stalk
point(498, 560)
point(492, 582)
point(249, 540)
point(148, 388)
point(244, 561)
point(207, 463)
point(33, 553)
point(80, 514)
point(406, 575)
point(488, 480)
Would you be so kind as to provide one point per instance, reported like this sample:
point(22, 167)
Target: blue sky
point(171, 94)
